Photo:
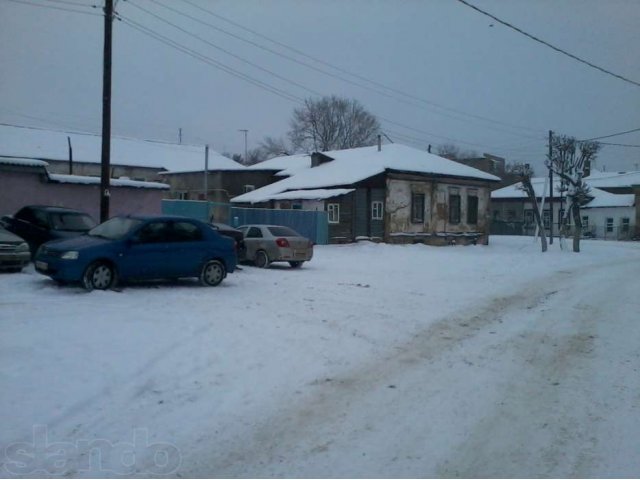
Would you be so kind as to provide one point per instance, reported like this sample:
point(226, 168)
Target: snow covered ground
point(371, 360)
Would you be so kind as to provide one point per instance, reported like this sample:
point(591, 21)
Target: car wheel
point(99, 276)
point(262, 259)
point(212, 273)
point(296, 264)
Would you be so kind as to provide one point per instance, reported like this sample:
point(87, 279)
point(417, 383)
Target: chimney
point(379, 143)
point(587, 168)
point(429, 148)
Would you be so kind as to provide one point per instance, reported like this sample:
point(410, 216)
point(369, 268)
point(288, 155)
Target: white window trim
point(377, 210)
point(333, 210)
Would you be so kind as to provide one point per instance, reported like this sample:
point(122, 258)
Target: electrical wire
point(208, 60)
point(75, 4)
point(612, 135)
point(342, 78)
point(285, 79)
point(557, 49)
point(53, 7)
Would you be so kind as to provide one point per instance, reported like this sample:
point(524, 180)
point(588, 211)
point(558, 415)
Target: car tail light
point(282, 242)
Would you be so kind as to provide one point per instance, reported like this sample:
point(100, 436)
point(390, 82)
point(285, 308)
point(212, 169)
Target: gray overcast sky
point(440, 52)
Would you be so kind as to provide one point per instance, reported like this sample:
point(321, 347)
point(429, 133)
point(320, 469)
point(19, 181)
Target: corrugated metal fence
point(312, 224)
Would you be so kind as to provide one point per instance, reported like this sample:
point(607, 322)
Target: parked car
point(229, 231)
point(14, 252)
point(265, 244)
point(38, 224)
point(137, 247)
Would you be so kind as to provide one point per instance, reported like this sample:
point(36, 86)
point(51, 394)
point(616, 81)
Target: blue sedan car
point(135, 247)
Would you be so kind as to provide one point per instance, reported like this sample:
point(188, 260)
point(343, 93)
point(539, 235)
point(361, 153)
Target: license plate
point(41, 265)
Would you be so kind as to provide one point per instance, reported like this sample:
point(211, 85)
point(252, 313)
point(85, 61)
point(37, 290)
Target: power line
point(75, 4)
point(53, 7)
point(620, 145)
point(612, 135)
point(557, 49)
point(339, 77)
point(208, 60)
point(223, 50)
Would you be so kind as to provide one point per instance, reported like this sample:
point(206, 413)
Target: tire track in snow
point(307, 427)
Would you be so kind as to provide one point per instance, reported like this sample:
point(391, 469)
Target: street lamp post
point(245, 143)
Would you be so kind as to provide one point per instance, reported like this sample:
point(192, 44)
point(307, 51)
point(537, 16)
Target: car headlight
point(23, 247)
point(72, 255)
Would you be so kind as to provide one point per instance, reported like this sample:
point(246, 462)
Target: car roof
point(159, 217)
point(51, 208)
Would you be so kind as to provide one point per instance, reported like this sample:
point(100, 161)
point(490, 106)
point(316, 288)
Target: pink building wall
point(18, 189)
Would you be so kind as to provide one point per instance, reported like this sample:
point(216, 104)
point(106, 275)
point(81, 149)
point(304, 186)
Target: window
point(249, 188)
point(585, 223)
point(472, 207)
point(496, 214)
point(625, 225)
point(156, 232)
point(609, 224)
point(417, 208)
point(185, 232)
point(333, 209)
point(546, 217)
point(454, 206)
point(511, 215)
point(296, 206)
point(179, 195)
point(528, 216)
point(376, 210)
point(254, 232)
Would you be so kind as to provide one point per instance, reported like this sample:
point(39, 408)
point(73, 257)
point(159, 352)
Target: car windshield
point(283, 232)
point(116, 228)
point(72, 222)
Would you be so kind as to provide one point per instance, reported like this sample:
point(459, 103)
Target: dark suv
point(38, 224)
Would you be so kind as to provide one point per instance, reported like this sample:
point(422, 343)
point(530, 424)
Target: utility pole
point(550, 190)
point(180, 136)
point(70, 156)
point(206, 173)
point(106, 112)
point(245, 144)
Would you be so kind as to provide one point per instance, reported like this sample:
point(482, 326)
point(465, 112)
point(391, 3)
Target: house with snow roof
point(392, 193)
point(607, 215)
point(25, 181)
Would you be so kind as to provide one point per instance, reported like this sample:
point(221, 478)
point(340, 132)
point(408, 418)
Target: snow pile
point(114, 182)
point(25, 162)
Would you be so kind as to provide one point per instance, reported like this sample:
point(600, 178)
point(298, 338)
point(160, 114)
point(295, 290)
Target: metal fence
point(312, 224)
point(603, 232)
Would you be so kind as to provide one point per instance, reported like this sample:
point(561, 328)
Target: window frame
point(333, 213)
point(455, 208)
point(417, 214)
point(472, 219)
point(609, 225)
point(377, 210)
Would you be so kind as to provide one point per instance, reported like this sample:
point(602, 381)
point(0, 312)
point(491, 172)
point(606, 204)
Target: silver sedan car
point(265, 244)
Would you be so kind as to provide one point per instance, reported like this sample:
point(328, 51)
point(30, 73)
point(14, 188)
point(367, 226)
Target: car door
point(147, 255)
point(187, 251)
point(253, 242)
point(32, 225)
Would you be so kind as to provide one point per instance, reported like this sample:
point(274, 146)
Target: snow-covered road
point(373, 360)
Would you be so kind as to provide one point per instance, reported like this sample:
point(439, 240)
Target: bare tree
point(524, 173)
point(332, 123)
point(274, 147)
point(448, 150)
point(568, 159)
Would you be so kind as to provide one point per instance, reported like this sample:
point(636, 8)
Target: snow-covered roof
point(87, 147)
point(600, 197)
point(515, 191)
point(286, 165)
point(357, 164)
point(613, 179)
point(27, 162)
point(318, 194)
point(114, 182)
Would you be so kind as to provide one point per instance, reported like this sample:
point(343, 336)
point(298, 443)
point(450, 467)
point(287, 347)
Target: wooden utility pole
point(206, 173)
point(70, 156)
point(106, 113)
point(550, 190)
point(245, 143)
